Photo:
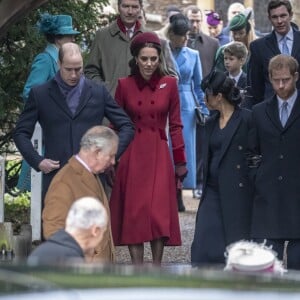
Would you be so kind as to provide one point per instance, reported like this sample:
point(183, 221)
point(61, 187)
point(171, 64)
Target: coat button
point(241, 184)
point(152, 102)
point(140, 103)
point(139, 117)
point(139, 130)
point(240, 147)
point(238, 166)
point(152, 116)
point(280, 178)
point(280, 156)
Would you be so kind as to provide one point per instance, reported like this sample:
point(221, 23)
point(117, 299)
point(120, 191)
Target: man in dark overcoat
point(263, 49)
point(66, 107)
point(275, 137)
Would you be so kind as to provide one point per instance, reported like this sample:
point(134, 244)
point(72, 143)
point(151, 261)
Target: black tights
point(137, 252)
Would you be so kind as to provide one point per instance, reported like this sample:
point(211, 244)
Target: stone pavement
point(178, 255)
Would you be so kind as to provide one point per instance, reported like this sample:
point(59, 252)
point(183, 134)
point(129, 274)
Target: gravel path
point(177, 255)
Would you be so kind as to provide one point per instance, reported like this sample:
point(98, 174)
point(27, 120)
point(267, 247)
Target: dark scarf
point(123, 28)
point(71, 93)
point(152, 82)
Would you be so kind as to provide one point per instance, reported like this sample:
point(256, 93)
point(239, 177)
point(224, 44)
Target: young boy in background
point(235, 56)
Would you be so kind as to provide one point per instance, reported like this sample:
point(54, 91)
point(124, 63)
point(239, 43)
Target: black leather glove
point(110, 175)
point(180, 171)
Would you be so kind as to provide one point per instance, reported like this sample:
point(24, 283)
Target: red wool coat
point(143, 200)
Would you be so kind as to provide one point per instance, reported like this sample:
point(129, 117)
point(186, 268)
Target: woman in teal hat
point(241, 31)
point(57, 30)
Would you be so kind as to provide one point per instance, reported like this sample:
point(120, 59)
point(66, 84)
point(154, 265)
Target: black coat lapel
point(56, 95)
point(271, 43)
point(273, 113)
point(229, 131)
point(209, 127)
point(295, 113)
point(296, 44)
point(85, 96)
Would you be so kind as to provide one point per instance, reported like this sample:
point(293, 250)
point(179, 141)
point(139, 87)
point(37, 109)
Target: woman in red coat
point(143, 200)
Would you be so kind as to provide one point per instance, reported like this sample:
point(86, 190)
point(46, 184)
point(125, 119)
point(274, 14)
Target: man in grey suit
point(283, 39)
point(207, 47)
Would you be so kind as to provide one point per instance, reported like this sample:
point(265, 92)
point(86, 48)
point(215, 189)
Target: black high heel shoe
point(181, 207)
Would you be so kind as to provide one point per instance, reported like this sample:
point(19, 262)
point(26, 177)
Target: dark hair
point(276, 3)
point(132, 62)
point(120, 2)
point(179, 24)
point(217, 82)
point(194, 9)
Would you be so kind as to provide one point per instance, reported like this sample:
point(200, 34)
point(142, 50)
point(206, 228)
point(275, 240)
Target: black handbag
point(200, 117)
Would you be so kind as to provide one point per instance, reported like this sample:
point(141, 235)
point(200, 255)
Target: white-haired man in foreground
point(85, 225)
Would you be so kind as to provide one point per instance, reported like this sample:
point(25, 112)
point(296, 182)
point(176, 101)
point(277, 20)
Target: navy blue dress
point(209, 241)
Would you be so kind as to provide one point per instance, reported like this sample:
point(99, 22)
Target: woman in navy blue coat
point(224, 211)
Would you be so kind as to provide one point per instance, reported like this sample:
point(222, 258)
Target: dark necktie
point(284, 114)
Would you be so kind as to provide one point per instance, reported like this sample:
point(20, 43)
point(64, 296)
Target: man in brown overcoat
point(78, 178)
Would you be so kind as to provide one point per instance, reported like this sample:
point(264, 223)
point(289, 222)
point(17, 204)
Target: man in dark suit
point(66, 107)
point(207, 47)
point(283, 39)
point(275, 137)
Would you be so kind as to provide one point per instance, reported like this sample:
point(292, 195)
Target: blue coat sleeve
point(43, 68)
point(197, 77)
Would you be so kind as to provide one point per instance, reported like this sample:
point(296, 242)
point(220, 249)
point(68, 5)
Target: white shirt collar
point(289, 35)
point(237, 77)
point(83, 163)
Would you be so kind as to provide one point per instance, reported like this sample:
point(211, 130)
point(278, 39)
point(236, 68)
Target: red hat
point(140, 40)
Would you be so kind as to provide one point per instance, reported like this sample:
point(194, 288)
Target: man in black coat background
point(262, 50)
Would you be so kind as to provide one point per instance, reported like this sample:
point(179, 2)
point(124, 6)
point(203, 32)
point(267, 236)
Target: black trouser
point(292, 251)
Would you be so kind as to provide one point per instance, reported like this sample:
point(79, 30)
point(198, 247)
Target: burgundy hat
point(213, 18)
point(142, 39)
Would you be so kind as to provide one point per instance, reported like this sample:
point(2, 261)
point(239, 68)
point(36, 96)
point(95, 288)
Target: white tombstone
point(36, 189)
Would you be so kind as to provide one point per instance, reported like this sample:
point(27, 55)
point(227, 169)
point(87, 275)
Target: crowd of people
point(122, 131)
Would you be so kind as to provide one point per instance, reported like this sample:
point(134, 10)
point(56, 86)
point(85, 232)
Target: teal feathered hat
point(56, 25)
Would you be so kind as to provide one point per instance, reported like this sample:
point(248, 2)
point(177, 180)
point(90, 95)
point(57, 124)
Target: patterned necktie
point(285, 48)
point(129, 33)
point(284, 113)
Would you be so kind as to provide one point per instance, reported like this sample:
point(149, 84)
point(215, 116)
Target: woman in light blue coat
point(190, 75)
point(57, 30)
